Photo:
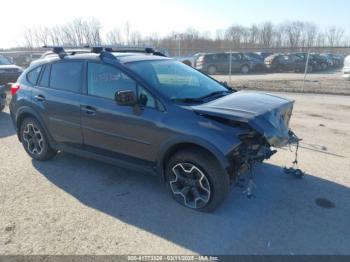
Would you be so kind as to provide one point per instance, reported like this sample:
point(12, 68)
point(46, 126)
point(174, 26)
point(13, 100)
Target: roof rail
point(104, 50)
point(63, 51)
point(127, 49)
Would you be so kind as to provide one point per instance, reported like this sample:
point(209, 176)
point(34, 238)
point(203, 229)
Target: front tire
point(196, 180)
point(34, 140)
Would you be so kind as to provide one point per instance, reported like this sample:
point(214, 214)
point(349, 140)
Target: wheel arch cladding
point(179, 146)
point(24, 113)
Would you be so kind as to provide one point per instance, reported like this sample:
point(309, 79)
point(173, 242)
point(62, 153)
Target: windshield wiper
point(200, 99)
point(216, 93)
point(188, 100)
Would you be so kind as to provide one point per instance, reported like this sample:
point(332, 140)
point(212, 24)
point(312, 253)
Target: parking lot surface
point(71, 205)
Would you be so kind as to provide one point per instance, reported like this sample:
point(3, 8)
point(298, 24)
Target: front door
point(114, 130)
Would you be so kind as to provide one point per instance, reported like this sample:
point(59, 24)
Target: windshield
point(4, 61)
point(176, 80)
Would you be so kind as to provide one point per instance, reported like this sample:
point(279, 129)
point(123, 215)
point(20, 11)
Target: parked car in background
point(287, 62)
point(8, 71)
point(257, 61)
point(312, 63)
point(346, 69)
point(215, 63)
point(187, 60)
point(2, 97)
point(264, 54)
point(336, 60)
point(322, 63)
point(25, 59)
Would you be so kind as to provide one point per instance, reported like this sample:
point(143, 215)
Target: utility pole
point(230, 68)
point(306, 68)
point(179, 37)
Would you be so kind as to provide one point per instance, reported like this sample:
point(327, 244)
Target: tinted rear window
point(33, 75)
point(66, 76)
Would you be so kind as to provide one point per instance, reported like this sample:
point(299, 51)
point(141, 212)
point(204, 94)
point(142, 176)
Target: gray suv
point(219, 63)
point(8, 71)
point(147, 112)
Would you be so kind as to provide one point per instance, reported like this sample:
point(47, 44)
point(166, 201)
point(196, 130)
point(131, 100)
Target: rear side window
point(45, 77)
point(105, 81)
point(66, 76)
point(33, 75)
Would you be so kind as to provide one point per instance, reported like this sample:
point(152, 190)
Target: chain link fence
point(230, 72)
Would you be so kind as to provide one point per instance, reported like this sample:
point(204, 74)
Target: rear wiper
point(216, 93)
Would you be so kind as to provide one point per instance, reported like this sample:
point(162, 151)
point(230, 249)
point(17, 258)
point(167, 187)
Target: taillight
point(14, 88)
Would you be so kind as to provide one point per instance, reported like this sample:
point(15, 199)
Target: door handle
point(89, 110)
point(40, 98)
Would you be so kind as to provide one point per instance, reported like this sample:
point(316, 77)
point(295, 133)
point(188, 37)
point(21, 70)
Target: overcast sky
point(165, 16)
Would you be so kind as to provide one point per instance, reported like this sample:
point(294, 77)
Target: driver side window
point(105, 80)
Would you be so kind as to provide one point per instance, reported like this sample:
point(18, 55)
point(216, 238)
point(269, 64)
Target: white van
point(346, 69)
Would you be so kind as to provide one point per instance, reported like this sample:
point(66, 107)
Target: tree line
point(290, 34)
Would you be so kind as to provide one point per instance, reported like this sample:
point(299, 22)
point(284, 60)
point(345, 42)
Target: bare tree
point(293, 31)
point(292, 34)
point(113, 37)
point(334, 36)
point(266, 34)
point(127, 29)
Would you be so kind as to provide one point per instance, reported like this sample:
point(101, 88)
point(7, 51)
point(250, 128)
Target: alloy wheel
point(34, 139)
point(190, 186)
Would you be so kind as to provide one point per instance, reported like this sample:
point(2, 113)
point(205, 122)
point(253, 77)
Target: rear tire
point(212, 70)
point(196, 180)
point(35, 141)
point(245, 69)
point(310, 69)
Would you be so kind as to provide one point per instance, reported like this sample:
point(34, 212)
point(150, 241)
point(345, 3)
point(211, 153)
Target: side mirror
point(126, 98)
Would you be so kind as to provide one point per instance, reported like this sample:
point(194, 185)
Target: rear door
point(236, 62)
point(223, 61)
point(57, 98)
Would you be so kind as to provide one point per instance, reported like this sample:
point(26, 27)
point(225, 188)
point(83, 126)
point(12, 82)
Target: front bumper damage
point(265, 116)
point(254, 149)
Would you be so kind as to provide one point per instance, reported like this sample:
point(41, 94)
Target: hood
point(267, 114)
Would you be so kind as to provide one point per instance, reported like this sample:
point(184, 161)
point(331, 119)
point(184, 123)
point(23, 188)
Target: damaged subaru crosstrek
point(145, 111)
